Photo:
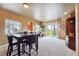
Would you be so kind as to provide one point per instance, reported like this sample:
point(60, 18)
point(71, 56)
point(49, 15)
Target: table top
point(22, 34)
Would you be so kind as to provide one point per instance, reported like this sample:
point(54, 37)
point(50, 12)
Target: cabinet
point(70, 31)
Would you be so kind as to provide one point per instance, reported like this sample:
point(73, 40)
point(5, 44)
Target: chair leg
point(26, 45)
point(19, 49)
point(30, 47)
point(10, 48)
point(36, 44)
point(10, 51)
point(36, 48)
point(23, 47)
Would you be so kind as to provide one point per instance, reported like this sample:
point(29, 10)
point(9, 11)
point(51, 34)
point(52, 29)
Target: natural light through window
point(12, 26)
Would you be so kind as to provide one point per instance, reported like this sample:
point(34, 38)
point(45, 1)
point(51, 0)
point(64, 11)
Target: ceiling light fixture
point(65, 13)
point(26, 5)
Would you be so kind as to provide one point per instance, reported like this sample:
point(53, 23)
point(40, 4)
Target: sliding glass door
point(51, 29)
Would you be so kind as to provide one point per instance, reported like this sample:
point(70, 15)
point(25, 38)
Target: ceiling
point(41, 11)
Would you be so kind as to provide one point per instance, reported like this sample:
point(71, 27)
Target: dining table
point(22, 36)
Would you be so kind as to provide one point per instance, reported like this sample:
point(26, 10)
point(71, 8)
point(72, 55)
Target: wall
point(5, 14)
point(77, 29)
point(62, 29)
point(62, 23)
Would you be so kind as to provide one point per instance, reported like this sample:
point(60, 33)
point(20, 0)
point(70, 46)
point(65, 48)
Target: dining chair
point(31, 42)
point(13, 42)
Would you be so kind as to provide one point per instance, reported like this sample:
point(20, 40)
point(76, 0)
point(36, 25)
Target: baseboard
point(3, 47)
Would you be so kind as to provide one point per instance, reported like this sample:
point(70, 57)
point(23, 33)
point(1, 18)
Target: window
point(37, 28)
point(12, 26)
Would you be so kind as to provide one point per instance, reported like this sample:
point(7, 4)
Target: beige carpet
point(51, 46)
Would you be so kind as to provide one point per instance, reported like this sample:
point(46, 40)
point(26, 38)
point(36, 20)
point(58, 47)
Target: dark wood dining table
point(22, 36)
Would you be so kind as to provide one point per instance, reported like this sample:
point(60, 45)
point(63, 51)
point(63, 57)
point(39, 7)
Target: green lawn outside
point(51, 33)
